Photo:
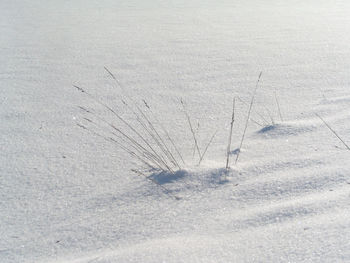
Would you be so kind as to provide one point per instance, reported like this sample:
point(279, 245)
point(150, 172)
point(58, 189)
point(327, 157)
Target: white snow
point(69, 196)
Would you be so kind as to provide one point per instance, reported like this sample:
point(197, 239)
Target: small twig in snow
point(333, 131)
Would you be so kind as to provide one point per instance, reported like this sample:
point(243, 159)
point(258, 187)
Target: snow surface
point(69, 196)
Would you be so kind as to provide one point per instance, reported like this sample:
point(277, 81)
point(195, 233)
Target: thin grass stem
point(206, 148)
point(165, 131)
point(109, 139)
point(134, 144)
point(126, 123)
point(164, 148)
point(248, 116)
point(333, 131)
point(230, 135)
point(260, 115)
point(278, 106)
point(191, 128)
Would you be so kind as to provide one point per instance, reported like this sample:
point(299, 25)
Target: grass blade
point(333, 131)
point(206, 148)
point(278, 107)
point(191, 128)
point(248, 116)
point(230, 135)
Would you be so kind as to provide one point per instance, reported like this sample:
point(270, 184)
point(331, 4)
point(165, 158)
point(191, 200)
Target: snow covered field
point(69, 196)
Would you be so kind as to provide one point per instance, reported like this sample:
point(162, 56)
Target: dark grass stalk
point(132, 143)
point(230, 135)
point(256, 122)
point(154, 133)
point(270, 115)
point(166, 190)
point(126, 123)
point(194, 146)
point(163, 145)
point(248, 116)
point(206, 148)
point(129, 126)
point(110, 139)
point(144, 126)
point(333, 131)
point(115, 79)
point(127, 139)
point(260, 115)
point(191, 128)
point(155, 136)
point(174, 145)
point(119, 117)
point(278, 107)
point(165, 131)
